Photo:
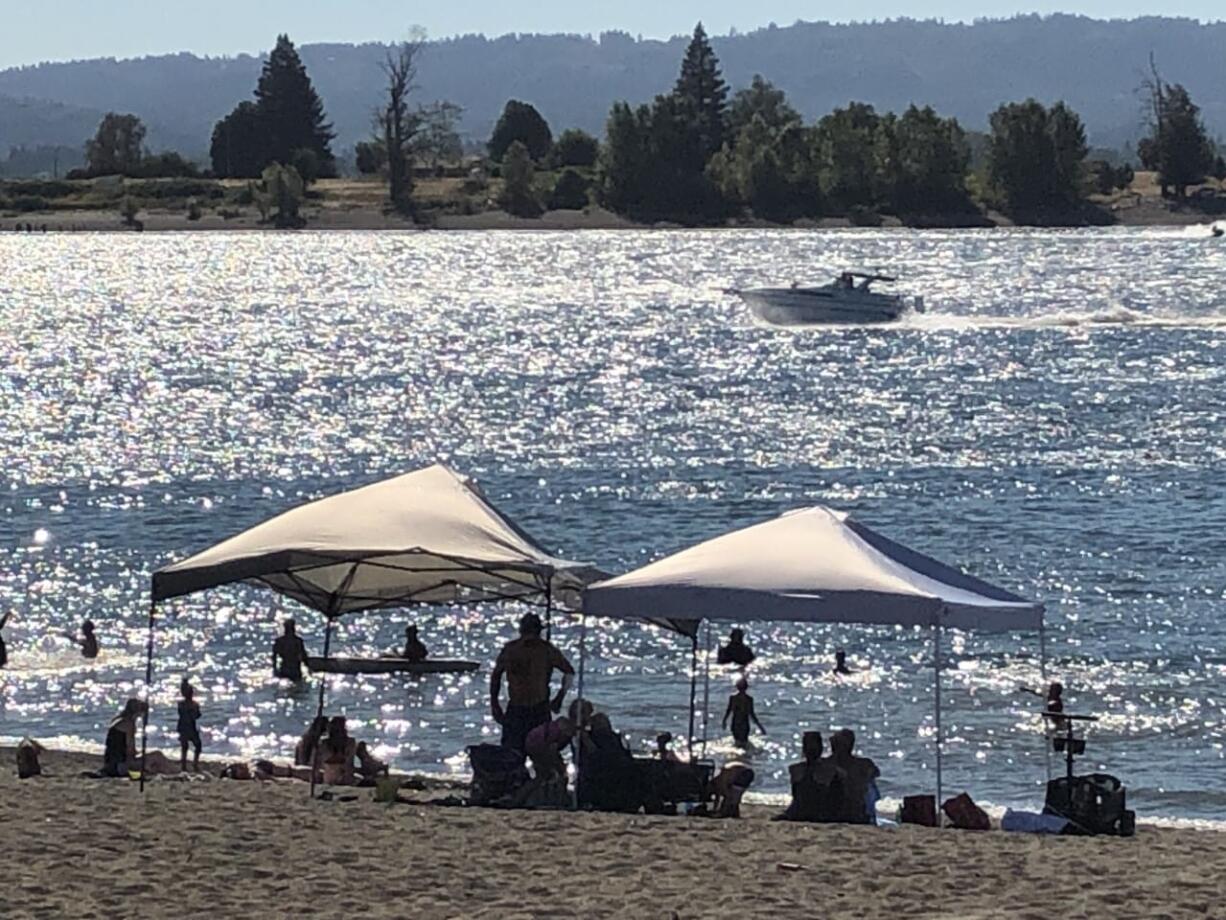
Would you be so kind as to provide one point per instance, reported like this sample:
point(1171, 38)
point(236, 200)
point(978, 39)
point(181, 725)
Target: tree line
point(698, 154)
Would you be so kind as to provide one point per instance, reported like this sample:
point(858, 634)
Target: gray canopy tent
point(427, 537)
point(816, 565)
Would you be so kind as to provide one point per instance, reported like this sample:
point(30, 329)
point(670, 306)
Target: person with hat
point(289, 654)
point(528, 664)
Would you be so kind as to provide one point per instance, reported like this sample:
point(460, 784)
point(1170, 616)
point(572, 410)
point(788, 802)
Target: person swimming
point(741, 711)
point(840, 663)
point(88, 641)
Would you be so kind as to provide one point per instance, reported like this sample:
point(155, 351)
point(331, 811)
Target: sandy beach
point(98, 848)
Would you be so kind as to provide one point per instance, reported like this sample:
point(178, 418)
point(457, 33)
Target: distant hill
point(964, 70)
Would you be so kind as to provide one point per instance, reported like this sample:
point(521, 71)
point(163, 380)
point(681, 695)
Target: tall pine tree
point(290, 111)
point(703, 94)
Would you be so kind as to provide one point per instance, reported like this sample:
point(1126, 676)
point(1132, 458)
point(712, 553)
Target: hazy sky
point(32, 31)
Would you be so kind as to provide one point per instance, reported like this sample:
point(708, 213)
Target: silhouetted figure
point(289, 654)
point(736, 651)
point(189, 730)
point(840, 663)
point(741, 711)
point(414, 648)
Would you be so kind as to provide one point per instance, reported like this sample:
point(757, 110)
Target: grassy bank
point(471, 204)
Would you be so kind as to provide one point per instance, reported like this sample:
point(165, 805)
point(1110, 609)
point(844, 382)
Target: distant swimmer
point(87, 641)
point(840, 663)
point(289, 654)
point(736, 651)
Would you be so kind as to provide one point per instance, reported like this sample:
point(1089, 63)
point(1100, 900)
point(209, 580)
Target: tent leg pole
point(549, 610)
point(144, 725)
point(706, 686)
point(936, 658)
point(693, 690)
point(323, 685)
point(1043, 676)
point(579, 707)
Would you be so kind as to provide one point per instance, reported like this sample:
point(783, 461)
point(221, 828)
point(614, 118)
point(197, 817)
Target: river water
point(1055, 424)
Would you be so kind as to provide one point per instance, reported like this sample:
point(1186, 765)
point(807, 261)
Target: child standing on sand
point(189, 731)
point(740, 709)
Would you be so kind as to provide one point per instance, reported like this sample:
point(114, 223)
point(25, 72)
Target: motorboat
point(847, 299)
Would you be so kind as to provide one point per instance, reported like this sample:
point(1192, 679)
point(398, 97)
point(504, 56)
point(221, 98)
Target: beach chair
point(497, 772)
point(1093, 805)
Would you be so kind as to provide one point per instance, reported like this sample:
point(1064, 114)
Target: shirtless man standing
point(528, 663)
point(291, 652)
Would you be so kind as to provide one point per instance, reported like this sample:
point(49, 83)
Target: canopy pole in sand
point(579, 726)
point(706, 687)
point(549, 607)
point(693, 689)
point(323, 684)
point(144, 725)
point(1043, 678)
point(936, 660)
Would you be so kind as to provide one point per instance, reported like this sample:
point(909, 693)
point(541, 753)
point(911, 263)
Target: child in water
point(189, 731)
point(740, 709)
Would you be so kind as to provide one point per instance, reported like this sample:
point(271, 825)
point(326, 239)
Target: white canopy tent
point(427, 537)
point(815, 565)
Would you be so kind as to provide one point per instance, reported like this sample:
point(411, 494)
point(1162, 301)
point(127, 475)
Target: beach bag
point(965, 814)
point(919, 809)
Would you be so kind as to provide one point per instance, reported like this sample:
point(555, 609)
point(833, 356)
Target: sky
point(54, 30)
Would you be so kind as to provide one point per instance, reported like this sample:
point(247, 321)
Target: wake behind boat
point(847, 299)
point(388, 666)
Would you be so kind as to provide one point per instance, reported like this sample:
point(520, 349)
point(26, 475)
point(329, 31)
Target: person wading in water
point(528, 663)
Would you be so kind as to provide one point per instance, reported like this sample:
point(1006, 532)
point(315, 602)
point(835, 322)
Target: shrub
point(569, 192)
point(41, 188)
point(576, 148)
point(193, 210)
point(26, 203)
point(861, 216)
point(306, 161)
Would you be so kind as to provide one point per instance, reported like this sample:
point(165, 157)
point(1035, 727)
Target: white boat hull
point(813, 306)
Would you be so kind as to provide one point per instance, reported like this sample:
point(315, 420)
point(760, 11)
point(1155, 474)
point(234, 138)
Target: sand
point(99, 848)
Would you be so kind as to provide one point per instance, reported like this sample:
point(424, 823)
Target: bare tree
point(396, 124)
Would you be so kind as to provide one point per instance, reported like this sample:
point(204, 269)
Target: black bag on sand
point(919, 809)
point(1093, 804)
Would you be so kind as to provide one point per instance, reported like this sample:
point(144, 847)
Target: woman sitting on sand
point(119, 756)
point(369, 766)
point(337, 751)
point(304, 750)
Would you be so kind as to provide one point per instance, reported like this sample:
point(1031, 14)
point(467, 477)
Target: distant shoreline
point(555, 221)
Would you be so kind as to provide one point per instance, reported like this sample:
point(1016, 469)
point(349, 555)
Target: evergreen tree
point(239, 149)
point(291, 113)
point(703, 95)
point(1178, 147)
point(521, 122)
point(845, 142)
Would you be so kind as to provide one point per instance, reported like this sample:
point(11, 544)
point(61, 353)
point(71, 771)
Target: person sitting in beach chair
point(336, 753)
point(609, 779)
point(729, 787)
point(741, 710)
point(736, 651)
point(858, 776)
point(817, 790)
